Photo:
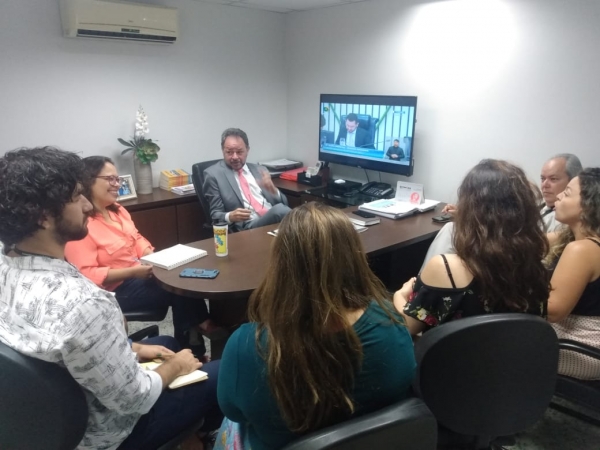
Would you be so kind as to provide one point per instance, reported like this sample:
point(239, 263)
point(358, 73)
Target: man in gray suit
point(242, 195)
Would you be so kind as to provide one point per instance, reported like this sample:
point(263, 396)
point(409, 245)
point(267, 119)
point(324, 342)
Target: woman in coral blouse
point(109, 256)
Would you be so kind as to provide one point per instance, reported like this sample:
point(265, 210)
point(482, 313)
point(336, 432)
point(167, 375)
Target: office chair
point(487, 376)
point(147, 315)
point(407, 425)
point(198, 180)
point(42, 405)
point(582, 392)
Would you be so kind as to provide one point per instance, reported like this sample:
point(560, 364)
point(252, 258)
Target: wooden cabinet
point(166, 219)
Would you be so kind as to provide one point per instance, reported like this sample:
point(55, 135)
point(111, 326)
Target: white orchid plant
point(145, 150)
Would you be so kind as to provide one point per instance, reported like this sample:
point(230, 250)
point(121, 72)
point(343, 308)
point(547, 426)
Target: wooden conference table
point(245, 266)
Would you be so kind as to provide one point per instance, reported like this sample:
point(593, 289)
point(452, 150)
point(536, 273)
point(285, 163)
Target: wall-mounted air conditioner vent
point(110, 19)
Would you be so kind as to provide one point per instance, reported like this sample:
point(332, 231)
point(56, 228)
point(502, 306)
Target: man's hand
point(180, 363)
point(449, 209)
point(142, 271)
point(394, 156)
point(150, 352)
point(239, 215)
point(266, 183)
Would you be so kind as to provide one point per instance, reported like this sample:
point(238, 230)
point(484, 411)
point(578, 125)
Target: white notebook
point(172, 257)
point(183, 380)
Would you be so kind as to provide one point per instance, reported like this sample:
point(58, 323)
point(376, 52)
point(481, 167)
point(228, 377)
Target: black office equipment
point(377, 189)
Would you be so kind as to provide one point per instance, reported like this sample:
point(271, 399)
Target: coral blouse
point(107, 246)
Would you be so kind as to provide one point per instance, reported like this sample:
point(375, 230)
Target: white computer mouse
point(339, 181)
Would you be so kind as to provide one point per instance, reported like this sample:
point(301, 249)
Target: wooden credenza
point(166, 219)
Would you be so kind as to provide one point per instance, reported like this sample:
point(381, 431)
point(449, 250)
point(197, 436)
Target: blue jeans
point(135, 294)
point(177, 410)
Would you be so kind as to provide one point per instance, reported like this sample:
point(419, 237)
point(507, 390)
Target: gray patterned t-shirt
point(49, 311)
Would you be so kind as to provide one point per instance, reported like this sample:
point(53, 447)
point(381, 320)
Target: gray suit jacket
point(223, 194)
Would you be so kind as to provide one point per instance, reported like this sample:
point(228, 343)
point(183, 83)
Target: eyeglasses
point(112, 179)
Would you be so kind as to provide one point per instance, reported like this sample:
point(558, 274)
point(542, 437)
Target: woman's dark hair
point(589, 187)
point(93, 166)
point(317, 273)
point(498, 235)
point(35, 183)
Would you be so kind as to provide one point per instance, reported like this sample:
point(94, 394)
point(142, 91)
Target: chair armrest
point(578, 347)
point(148, 332)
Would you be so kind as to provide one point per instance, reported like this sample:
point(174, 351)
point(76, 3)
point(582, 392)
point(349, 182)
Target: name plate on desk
point(409, 193)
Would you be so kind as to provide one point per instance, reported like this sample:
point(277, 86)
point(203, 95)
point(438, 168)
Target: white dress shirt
point(351, 139)
point(255, 190)
point(49, 311)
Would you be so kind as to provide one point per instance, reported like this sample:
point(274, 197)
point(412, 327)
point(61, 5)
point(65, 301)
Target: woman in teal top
point(324, 342)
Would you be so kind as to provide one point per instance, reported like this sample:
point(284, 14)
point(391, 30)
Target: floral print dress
point(434, 305)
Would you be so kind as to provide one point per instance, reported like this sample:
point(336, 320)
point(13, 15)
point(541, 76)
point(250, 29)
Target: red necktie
point(260, 209)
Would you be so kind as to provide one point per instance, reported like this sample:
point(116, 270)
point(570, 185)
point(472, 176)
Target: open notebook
point(172, 257)
point(394, 209)
point(183, 380)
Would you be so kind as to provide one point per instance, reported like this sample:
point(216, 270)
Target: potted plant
point(145, 151)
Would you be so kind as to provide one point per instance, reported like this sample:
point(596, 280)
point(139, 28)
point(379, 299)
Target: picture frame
point(126, 188)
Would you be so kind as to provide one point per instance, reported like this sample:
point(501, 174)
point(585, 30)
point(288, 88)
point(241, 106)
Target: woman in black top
point(574, 302)
point(499, 250)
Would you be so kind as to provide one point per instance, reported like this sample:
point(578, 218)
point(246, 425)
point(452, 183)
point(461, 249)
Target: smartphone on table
point(199, 273)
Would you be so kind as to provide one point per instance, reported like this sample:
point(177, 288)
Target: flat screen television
point(374, 132)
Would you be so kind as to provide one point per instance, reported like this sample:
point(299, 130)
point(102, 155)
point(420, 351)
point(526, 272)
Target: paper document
point(281, 163)
point(394, 209)
point(185, 189)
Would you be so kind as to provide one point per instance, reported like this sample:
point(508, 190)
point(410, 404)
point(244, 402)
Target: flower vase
point(143, 176)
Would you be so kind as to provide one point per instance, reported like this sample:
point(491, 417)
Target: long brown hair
point(498, 235)
point(589, 182)
point(317, 273)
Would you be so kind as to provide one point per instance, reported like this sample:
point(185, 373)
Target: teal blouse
point(384, 378)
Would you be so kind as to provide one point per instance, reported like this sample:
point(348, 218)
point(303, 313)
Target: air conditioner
point(112, 19)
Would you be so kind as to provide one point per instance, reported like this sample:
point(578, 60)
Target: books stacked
point(363, 221)
point(394, 209)
point(172, 178)
point(183, 190)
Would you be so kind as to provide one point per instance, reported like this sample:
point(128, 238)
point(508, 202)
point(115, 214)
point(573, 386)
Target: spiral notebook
point(172, 257)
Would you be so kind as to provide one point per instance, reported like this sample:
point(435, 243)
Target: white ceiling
point(283, 6)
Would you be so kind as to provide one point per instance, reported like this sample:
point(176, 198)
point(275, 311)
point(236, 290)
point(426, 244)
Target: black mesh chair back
point(42, 405)
point(198, 180)
point(407, 425)
point(488, 376)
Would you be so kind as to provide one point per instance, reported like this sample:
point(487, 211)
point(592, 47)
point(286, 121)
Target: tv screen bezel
point(369, 164)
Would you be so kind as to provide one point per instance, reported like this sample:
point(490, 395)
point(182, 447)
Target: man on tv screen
point(395, 152)
point(352, 135)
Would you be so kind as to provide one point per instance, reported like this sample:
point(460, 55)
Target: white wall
point(513, 79)
point(228, 69)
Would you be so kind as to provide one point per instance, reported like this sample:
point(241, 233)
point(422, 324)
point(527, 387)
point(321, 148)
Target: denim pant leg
point(178, 409)
point(135, 294)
